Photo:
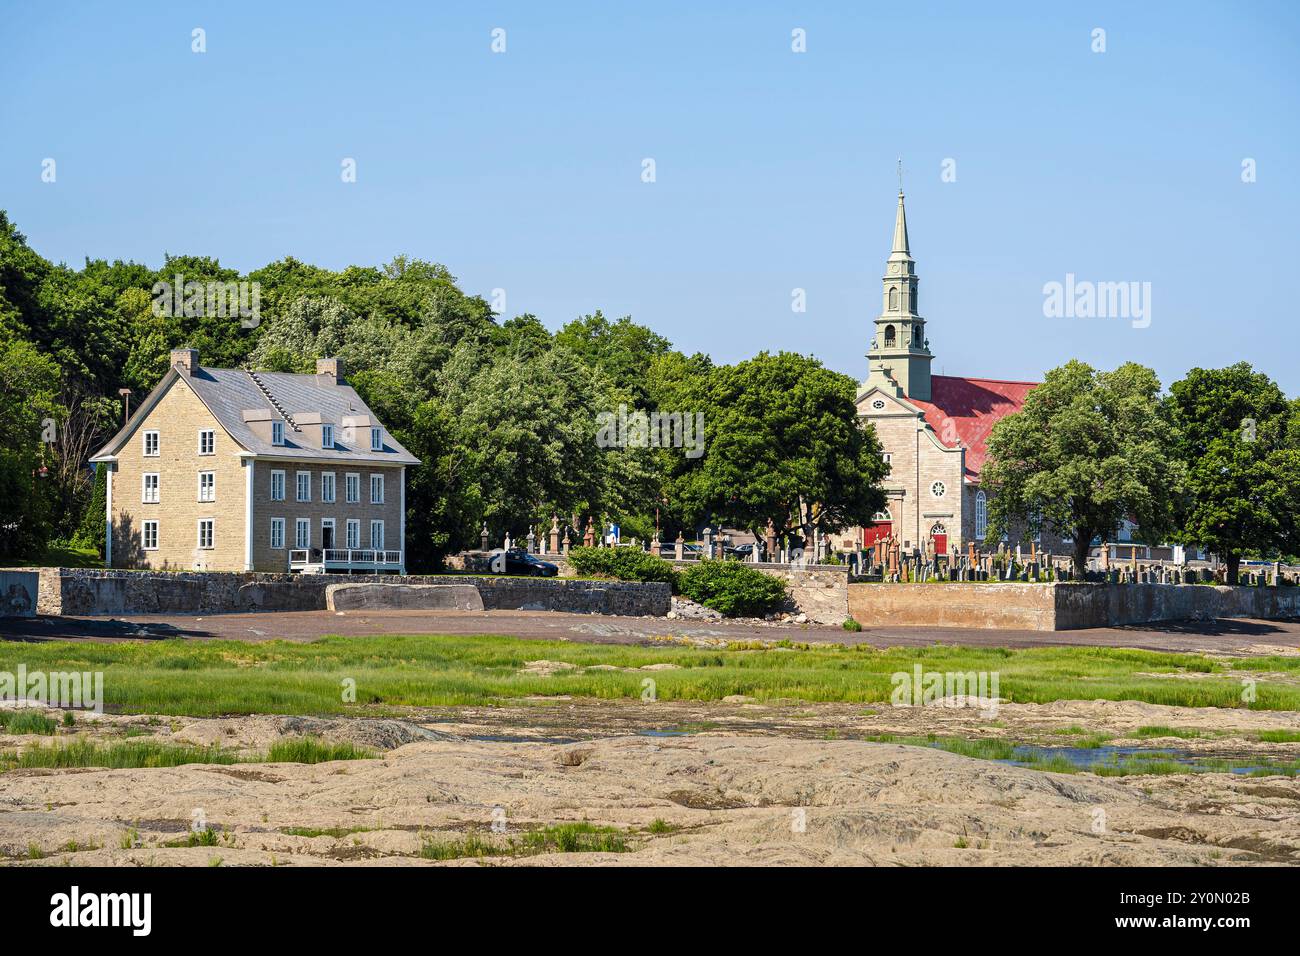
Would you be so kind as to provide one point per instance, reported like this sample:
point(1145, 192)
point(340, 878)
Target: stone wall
point(1061, 606)
point(96, 591)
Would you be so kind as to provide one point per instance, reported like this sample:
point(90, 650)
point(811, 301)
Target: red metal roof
point(962, 411)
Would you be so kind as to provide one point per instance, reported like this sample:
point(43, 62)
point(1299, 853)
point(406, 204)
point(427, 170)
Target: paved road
point(1219, 637)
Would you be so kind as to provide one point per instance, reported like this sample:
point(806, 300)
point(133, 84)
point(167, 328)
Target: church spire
point(900, 221)
point(900, 229)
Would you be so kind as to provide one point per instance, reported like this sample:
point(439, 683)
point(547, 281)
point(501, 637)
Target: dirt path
point(1234, 637)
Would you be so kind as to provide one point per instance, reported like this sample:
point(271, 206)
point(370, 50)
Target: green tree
point(1088, 450)
point(784, 445)
point(1234, 430)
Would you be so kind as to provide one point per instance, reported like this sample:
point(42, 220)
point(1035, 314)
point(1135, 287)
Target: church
point(933, 429)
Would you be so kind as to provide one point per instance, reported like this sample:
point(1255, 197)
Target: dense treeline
point(504, 415)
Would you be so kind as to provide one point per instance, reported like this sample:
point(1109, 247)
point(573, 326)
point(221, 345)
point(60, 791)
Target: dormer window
point(277, 433)
point(327, 436)
point(376, 439)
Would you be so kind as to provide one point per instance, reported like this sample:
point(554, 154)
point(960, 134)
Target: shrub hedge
point(733, 588)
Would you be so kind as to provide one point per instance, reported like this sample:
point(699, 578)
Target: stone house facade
point(232, 470)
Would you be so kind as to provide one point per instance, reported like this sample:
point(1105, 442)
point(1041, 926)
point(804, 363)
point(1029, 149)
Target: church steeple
point(899, 356)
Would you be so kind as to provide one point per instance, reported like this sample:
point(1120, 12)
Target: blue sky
point(775, 170)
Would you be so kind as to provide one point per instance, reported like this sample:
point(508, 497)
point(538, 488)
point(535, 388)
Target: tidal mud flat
point(559, 782)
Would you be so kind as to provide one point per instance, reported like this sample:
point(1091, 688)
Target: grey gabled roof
point(228, 393)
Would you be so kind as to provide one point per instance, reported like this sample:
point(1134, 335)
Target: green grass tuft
point(314, 750)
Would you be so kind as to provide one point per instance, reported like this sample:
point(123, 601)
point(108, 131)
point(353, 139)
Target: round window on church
point(937, 489)
point(878, 404)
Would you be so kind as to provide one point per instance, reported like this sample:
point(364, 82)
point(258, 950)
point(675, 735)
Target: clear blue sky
point(775, 170)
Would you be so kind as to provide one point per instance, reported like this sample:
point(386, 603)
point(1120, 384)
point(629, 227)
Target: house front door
point(327, 535)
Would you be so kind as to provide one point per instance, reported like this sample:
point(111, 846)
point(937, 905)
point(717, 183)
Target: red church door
point(939, 535)
point(876, 531)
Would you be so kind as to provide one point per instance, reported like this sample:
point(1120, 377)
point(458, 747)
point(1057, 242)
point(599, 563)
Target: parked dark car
point(519, 561)
point(745, 552)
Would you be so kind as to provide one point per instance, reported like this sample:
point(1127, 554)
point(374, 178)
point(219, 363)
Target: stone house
point(233, 470)
point(932, 428)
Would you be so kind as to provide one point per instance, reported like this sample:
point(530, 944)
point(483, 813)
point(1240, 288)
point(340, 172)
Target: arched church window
point(912, 296)
point(889, 336)
point(916, 335)
point(981, 515)
point(882, 516)
point(893, 300)
point(938, 528)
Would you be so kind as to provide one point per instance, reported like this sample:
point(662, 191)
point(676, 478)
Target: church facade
point(932, 428)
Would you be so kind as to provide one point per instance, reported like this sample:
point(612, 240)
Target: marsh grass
point(579, 837)
point(212, 678)
point(123, 755)
point(314, 750)
point(1156, 730)
point(1279, 736)
point(27, 722)
point(135, 753)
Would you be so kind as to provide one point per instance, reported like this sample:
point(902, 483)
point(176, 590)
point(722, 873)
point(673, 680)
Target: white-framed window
point(938, 489)
point(354, 533)
point(207, 441)
point(376, 439)
point(277, 534)
point(327, 436)
point(327, 486)
point(377, 535)
point(981, 515)
point(277, 486)
point(352, 489)
point(151, 444)
point(376, 489)
point(149, 535)
point(889, 462)
point(149, 487)
point(277, 433)
point(304, 486)
point(207, 486)
point(302, 533)
point(206, 526)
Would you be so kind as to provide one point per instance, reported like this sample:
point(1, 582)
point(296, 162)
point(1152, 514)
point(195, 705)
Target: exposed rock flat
point(725, 800)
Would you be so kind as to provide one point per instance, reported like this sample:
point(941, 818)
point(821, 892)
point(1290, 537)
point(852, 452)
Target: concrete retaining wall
point(18, 593)
point(1011, 606)
point(403, 597)
point(1061, 606)
point(97, 591)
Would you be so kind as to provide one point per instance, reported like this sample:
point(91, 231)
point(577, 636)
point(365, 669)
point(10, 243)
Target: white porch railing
point(345, 559)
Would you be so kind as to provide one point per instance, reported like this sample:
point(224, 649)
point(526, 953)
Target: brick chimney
point(333, 367)
point(187, 360)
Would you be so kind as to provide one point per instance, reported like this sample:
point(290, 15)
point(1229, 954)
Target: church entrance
point(939, 536)
point(878, 530)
